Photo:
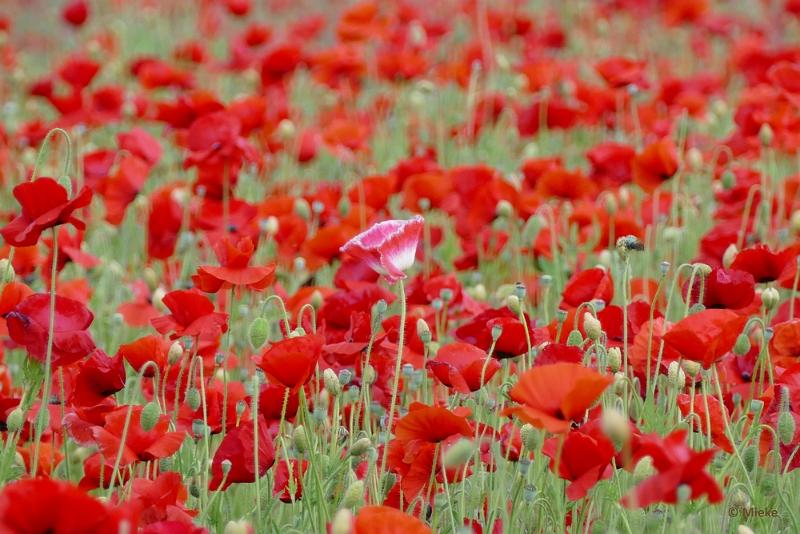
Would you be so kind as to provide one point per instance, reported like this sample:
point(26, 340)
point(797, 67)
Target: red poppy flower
point(676, 464)
point(764, 264)
point(388, 247)
point(611, 163)
point(288, 477)
point(656, 164)
point(163, 223)
point(97, 378)
point(41, 505)
point(724, 288)
point(75, 12)
point(706, 336)
point(292, 361)
point(587, 285)
point(149, 348)
point(620, 72)
point(460, 366)
point(234, 269)
point(238, 447)
point(45, 203)
point(429, 424)
point(192, 315)
point(140, 445)
point(29, 324)
point(387, 520)
point(512, 341)
point(552, 396)
point(160, 499)
point(584, 459)
point(215, 139)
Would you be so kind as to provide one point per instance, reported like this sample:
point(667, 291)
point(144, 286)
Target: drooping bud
point(528, 434)
point(149, 416)
point(728, 179)
point(614, 359)
point(575, 339)
point(458, 454)
point(193, 398)
point(258, 332)
point(729, 255)
point(300, 439)
point(742, 345)
point(770, 298)
point(15, 420)
point(615, 425)
point(592, 326)
point(175, 352)
point(512, 301)
point(361, 446)
point(423, 331)
point(7, 273)
point(692, 368)
point(676, 375)
point(342, 522)
point(354, 494)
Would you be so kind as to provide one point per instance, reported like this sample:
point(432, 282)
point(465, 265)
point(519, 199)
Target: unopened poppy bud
point(729, 255)
point(497, 331)
point(512, 301)
point(158, 297)
point(458, 454)
point(611, 205)
point(744, 529)
point(703, 269)
point(238, 527)
point(15, 420)
point(684, 493)
point(604, 259)
point(193, 398)
point(619, 382)
point(676, 375)
point(750, 458)
point(591, 326)
point(361, 446)
point(672, 234)
point(258, 332)
point(770, 298)
point(286, 130)
point(728, 179)
point(369, 375)
point(478, 292)
point(7, 273)
point(332, 384)
point(766, 135)
point(175, 352)
point(644, 469)
point(694, 158)
point(271, 225)
point(528, 435)
point(423, 331)
point(742, 345)
point(302, 208)
point(575, 339)
point(354, 494)
point(614, 359)
point(504, 209)
point(692, 368)
point(149, 416)
point(615, 425)
point(198, 427)
point(342, 522)
point(300, 439)
point(316, 299)
point(786, 427)
point(740, 499)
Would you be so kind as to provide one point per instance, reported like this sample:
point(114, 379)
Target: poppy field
point(390, 267)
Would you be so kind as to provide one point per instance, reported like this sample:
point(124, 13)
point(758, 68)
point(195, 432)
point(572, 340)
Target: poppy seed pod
point(592, 326)
point(258, 332)
point(150, 414)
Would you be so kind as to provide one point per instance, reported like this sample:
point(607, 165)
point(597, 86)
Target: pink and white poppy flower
point(388, 247)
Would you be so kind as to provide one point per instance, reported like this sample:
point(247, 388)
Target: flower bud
point(692, 368)
point(149, 416)
point(615, 425)
point(575, 339)
point(331, 380)
point(614, 359)
point(742, 345)
point(193, 398)
point(458, 454)
point(175, 352)
point(770, 298)
point(300, 439)
point(342, 522)
point(15, 420)
point(423, 331)
point(591, 326)
point(694, 158)
point(497, 331)
point(528, 435)
point(369, 375)
point(238, 527)
point(676, 375)
point(257, 332)
point(766, 135)
point(786, 427)
point(644, 469)
point(361, 446)
point(512, 301)
point(729, 255)
point(728, 179)
point(354, 494)
point(744, 529)
point(302, 208)
point(286, 130)
point(504, 209)
point(198, 427)
point(750, 458)
point(7, 273)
